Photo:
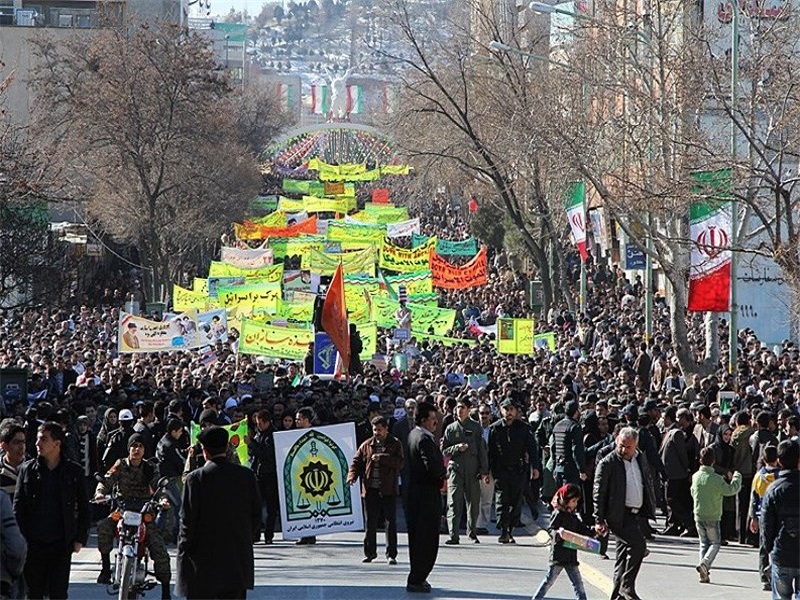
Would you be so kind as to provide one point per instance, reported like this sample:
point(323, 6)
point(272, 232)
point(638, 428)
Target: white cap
point(231, 403)
point(125, 415)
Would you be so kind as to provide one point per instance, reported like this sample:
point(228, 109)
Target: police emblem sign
point(312, 478)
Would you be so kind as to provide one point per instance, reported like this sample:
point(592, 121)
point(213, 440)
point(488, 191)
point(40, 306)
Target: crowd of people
point(606, 427)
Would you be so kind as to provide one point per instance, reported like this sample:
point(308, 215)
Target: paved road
point(332, 570)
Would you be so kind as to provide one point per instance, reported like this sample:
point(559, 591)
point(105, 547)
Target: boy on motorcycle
point(133, 479)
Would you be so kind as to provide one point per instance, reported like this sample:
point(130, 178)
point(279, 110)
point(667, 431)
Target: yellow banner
point(274, 342)
point(248, 231)
point(296, 311)
point(515, 336)
point(369, 340)
point(358, 298)
point(289, 205)
point(352, 262)
point(313, 204)
point(183, 299)
point(200, 286)
point(395, 169)
point(339, 231)
point(274, 219)
point(407, 261)
point(272, 273)
point(258, 298)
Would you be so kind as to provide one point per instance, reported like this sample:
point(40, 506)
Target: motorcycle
point(129, 572)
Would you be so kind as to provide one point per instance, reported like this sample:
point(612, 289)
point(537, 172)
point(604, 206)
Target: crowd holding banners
point(237, 438)
point(592, 354)
point(455, 277)
point(183, 299)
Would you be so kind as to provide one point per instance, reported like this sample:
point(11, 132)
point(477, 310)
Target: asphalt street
point(332, 570)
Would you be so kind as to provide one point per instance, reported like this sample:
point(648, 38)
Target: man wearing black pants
point(426, 473)
point(623, 494)
point(378, 462)
point(262, 457)
point(52, 509)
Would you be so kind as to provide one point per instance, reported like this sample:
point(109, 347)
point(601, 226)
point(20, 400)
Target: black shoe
point(672, 530)
point(418, 588)
point(505, 538)
point(474, 538)
point(105, 577)
point(368, 559)
point(452, 542)
point(511, 539)
point(306, 541)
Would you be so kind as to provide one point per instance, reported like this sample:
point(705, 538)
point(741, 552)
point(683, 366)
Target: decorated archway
point(333, 143)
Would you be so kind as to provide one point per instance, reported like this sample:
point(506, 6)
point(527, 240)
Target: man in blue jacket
point(780, 524)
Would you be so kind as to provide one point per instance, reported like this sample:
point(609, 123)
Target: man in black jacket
point(567, 448)
point(262, 457)
point(780, 523)
point(52, 509)
point(426, 473)
point(623, 494)
point(215, 548)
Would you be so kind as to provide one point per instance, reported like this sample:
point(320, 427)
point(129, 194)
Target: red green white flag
point(710, 233)
point(355, 99)
point(576, 215)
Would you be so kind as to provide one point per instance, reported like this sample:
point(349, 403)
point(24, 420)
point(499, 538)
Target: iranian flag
point(576, 215)
point(355, 99)
point(320, 99)
point(710, 232)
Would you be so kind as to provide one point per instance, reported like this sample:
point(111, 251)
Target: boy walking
point(708, 489)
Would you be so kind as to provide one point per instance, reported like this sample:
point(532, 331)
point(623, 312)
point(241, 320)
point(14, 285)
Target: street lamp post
point(733, 334)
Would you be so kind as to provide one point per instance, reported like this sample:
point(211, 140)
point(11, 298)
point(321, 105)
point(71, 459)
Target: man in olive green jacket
point(463, 444)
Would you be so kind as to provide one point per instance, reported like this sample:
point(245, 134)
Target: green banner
point(423, 317)
point(468, 247)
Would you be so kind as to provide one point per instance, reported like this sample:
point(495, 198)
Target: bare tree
point(140, 120)
point(464, 108)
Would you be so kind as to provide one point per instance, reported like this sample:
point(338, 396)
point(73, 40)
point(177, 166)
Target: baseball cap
point(125, 415)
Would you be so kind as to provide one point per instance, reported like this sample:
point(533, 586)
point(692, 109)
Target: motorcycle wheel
point(126, 589)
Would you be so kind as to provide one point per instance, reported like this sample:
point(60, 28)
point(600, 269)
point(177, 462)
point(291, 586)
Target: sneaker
point(766, 586)
point(391, 560)
point(474, 538)
point(703, 571)
point(452, 542)
point(104, 577)
point(368, 559)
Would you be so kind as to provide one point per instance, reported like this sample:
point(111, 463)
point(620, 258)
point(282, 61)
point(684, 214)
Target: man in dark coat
point(623, 494)
point(52, 510)
point(220, 519)
point(426, 473)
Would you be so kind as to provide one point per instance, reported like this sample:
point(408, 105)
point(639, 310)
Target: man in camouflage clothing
point(133, 479)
